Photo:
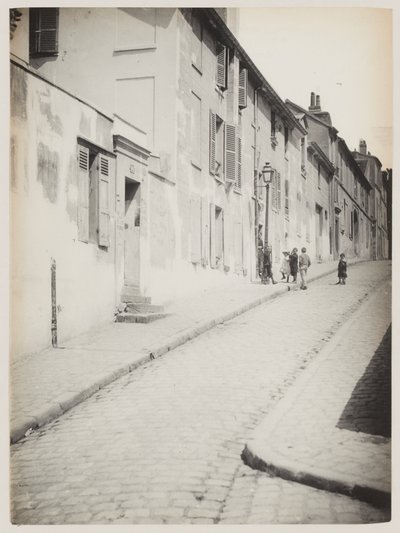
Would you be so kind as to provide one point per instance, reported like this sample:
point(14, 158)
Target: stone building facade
point(137, 158)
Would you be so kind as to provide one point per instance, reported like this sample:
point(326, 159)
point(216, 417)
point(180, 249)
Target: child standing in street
point(342, 270)
point(285, 269)
point(294, 264)
point(304, 263)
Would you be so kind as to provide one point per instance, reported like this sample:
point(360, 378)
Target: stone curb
point(66, 401)
point(260, 455)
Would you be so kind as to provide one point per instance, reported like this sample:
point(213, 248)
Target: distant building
point(371, 167)
point(350, 206)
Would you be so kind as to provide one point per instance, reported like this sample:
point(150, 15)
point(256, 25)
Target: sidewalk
point(46, 384)
point(311, 436)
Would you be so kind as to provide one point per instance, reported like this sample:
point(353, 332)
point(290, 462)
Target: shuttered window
point(238, 182)
point(83, 193)
point(103, 208)
point(230, 153)
point(278, 191)
point(213, 127)
point(43, 31)
point(221, 74)
point(243, 88)
point(94, 175)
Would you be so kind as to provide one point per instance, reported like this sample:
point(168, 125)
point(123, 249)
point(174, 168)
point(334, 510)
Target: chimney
point(318, 103)
point(363, 147)
point(312, 103)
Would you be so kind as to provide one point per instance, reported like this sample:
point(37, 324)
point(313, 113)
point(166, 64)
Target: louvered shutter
point(104, 193)
point(83, 193)
point(230, 153)
point(243, 88)
point(213, 131)
point(278, 191)
point(212, 236)
point(43, 34)
point(274, 191)
point(221, 65)
point(239, 164)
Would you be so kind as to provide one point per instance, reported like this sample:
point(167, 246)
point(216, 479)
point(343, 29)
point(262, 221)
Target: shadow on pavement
point(369, 408)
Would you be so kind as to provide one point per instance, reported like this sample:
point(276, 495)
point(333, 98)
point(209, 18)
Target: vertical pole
point(266, 218)
point(53, 304)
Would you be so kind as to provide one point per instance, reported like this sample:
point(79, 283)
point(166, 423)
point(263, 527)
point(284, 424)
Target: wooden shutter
point(83, 193)
point(212, 236)
point(195, 228)
point(274, 191)
point(243, 88)
point(204, 231)
point(221, 65)
point(278, 190)
point(104, 200)
point(213, 132)
point(43, 31)
point(230, 153)
point(239, 164)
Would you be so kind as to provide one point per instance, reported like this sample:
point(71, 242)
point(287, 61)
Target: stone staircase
point(138, 308)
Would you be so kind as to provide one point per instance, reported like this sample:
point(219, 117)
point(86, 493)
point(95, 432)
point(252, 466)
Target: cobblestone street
point(163, 444)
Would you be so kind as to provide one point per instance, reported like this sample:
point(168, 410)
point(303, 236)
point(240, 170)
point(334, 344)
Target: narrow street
point(163, 444)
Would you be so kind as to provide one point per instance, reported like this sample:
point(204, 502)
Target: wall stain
point(71, 190)
point(47, 171)
point(19, 91)
point(45, 108)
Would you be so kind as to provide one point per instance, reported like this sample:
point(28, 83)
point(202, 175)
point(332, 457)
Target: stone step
point(135, 299)
point(135, 307)
point(143, 318)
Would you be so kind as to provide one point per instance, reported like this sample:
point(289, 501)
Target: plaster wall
point(43, 206)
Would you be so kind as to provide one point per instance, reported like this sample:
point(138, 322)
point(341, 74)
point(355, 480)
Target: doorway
point(319, 221)
point(132, 233)
point(336, 251)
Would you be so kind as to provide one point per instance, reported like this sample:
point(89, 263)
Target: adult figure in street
point(342, 270)
point(267, 271)
point(304, 263)
point(285, 268)
point(294, 264)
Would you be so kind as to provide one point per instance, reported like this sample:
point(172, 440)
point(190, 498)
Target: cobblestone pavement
point(163, 444)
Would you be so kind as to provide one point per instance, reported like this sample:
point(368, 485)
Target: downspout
point(256, 210)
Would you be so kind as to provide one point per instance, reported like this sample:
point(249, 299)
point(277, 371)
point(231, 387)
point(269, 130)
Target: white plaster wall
point(44, 218)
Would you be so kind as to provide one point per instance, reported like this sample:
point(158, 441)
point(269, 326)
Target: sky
point(343, 54)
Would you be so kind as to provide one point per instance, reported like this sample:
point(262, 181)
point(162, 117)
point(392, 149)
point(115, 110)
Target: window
point(197, 48)
point(276, 191)
point(93, 195)
point(287, 198)
point(345, 217)
point(222, 64)
point(196, 130)
point(286, 139)
point(243, 88)
point(43, 31)
point(216, 236)
point(273, 126)
point(303, 156)
point(238, 182)
point(223, 148)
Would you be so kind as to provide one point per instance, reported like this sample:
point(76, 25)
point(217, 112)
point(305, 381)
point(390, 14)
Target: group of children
point(292, 263)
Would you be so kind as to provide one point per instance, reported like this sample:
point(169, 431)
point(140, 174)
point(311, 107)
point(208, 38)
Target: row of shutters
point(222, 80)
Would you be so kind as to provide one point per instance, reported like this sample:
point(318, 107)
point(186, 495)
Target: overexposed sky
point(343, 54)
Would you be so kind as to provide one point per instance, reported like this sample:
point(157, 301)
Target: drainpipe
point(256, 210)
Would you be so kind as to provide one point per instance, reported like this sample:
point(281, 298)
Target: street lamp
point(266, 172)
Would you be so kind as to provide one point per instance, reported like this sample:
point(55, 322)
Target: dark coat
point(293, 263)
point(342, 268)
